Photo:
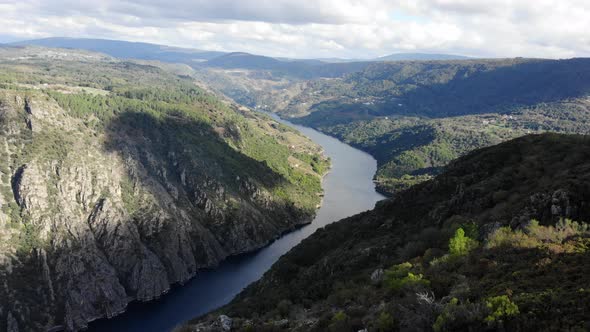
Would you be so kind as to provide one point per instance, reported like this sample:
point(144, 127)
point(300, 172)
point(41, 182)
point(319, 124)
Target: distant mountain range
point(125, 49)
point(147, 51)
point(420, 56)
point(298, 69)
point(247, 60)
point(402, 57)
point(294, 68)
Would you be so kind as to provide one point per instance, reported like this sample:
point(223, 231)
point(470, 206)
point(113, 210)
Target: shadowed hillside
point(415, 117)
point(118, 180)
point(483, 246)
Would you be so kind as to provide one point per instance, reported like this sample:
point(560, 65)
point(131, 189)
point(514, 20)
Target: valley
point(159, 188)
point(492, 243)
point(120, 180)
point(348, 190)
point(415, 117)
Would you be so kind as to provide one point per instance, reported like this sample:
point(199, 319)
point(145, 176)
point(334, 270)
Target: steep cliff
point(118, 180)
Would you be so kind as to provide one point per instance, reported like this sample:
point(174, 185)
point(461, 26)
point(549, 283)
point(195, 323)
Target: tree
point(460, 245)
point(385, 322)
point(500, 307)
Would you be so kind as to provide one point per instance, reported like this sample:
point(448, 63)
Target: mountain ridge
point(126, 49)
point(151, 51)
point(414, 117)
point(398, 266)
point(119, 179)
point(420, 57)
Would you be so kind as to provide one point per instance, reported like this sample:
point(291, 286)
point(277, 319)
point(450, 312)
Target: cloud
point(317, 28)
point(273, 11)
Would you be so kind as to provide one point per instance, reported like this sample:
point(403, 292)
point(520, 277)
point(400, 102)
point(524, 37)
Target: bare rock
point(377, 276)
point(118, 222)
point(226, 322)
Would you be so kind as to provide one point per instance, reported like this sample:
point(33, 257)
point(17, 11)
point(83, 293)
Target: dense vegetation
point(415, 117)
point(142, 96)
point(484, 245)
point(489, 244)
point(412, 149)
point(296, 69)
point(118, 179)
point(448, 88)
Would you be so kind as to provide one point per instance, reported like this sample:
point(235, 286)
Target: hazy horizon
point(24, 42)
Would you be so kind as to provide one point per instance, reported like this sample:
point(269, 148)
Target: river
point(348, 190)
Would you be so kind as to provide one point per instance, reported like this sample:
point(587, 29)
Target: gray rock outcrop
point(226, 322)
point(91, 221)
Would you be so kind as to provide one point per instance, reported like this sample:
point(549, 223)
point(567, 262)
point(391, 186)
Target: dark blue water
point(348, 190)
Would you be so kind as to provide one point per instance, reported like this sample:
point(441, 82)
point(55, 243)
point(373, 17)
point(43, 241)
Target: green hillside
point(415, 117)
point(118, 180)
point(496, 242)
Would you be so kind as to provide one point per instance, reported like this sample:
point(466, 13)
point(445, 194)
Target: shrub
point(564, 229)
point(339, 316)
point(460, 245)
point(399, 276)
point(340, 322)
point(505, 237)
point(456, 316)
point(429, 237)
point(501, 307)
point(445, 316)
point(284, 307)
point(471, 230)
point(535, 235)
point(385, 322)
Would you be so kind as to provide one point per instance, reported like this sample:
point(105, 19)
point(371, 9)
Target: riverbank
point(348, 190)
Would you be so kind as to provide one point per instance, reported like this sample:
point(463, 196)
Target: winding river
point(348, 190)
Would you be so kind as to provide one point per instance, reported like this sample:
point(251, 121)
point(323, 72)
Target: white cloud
point(318, 28)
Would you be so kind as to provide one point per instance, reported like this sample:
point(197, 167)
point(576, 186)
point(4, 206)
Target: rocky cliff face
point(93, 217)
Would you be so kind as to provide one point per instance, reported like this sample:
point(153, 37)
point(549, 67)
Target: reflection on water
point(349, 189)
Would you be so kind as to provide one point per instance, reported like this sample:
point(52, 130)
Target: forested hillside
point(498, 242)
point(119, 179)
point(415, 117)
point(448, 88)
point(277, 69)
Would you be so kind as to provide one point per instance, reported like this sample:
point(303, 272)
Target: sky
point(317, 28)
